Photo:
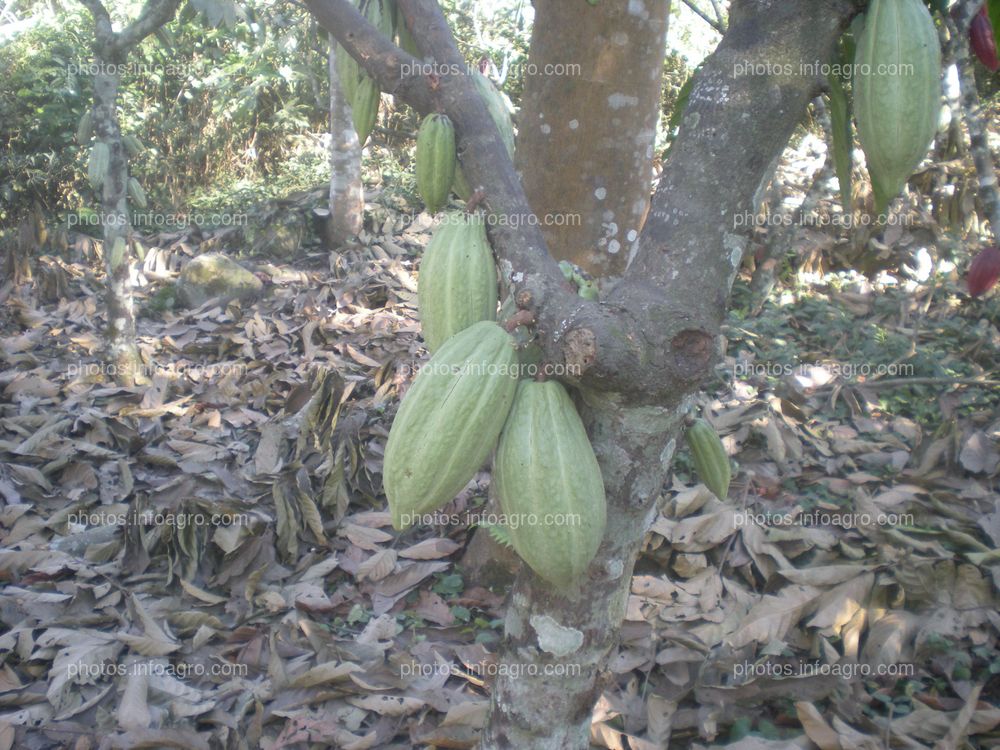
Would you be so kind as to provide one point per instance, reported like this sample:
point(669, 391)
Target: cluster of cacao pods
point(897, 92)
point(358, 88)
point(983, 41)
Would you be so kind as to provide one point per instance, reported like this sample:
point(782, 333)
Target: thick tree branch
point(653, 338)
point(154, 14)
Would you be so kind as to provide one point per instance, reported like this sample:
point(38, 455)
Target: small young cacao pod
point(549, 484)
point(135, 193)
point(97, 167)
point(436, 160)
point(85, 129)
point(710, 459)
point(364, 108)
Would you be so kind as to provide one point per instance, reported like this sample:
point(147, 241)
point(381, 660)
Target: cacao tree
point(109, 176)
point(633, 354)
point(346, 202)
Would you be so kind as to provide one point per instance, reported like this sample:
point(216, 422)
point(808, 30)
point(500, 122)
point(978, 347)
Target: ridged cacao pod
point(458, 279)
point(984, 271)
point(436, 160)
point(364, 108)
point(710, 459)
point(85, 128)
point(983, 41)
point(449, 421)
point(897, 92)
point(97, 167)
point(382, 15)
point(348, 72)
point(499, 110)
point(549, 484)
point(133, 146)
point(403, 36)
point(135, 193)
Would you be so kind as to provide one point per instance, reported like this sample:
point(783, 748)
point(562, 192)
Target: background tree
point(111, 54)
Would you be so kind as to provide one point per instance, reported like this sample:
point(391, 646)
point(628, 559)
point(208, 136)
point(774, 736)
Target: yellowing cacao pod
point(135, 193)
point(458, 279)
point(364, 108)
point(710, 459)
point(85, 129)
point(449, 421)
point(549, 484)
point(897, 92)
point(436, 160)
point(97, 167)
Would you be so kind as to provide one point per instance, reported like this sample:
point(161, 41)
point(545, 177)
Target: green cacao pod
point(85, 128)
point(710, 459)
point(382, 15)
point(97, 167)
point(458, 279)
point(499, 109)
point(364, 108)
point(449, 421)
point(436, 160)
point(133, 146)
point(549, 484)
point(135, 193)
point(403, 36)
point(897, 92)
point(348, 72)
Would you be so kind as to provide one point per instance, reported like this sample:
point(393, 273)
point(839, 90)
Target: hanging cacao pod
point(436, 160)
point(97, 167)
point(984, 271)
point(897, 92)
point(348, 72)
point(710, 459)
point(135, 193)
point(983, 41)
point(364, 108)
point(549, 484)
point(85, 128)
point(449, 421)
point(133, 146)
point(458, 279)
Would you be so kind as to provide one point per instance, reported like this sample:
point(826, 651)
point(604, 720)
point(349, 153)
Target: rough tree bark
point(347, 200)
point(110, 54)
point(638, 353)
point(591, 104)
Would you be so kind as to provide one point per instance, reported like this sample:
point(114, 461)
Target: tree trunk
point(652, 339)
point(347, 199)
point(123, 355)
point(110, 54)
point(972, 111)
point(587, 126)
